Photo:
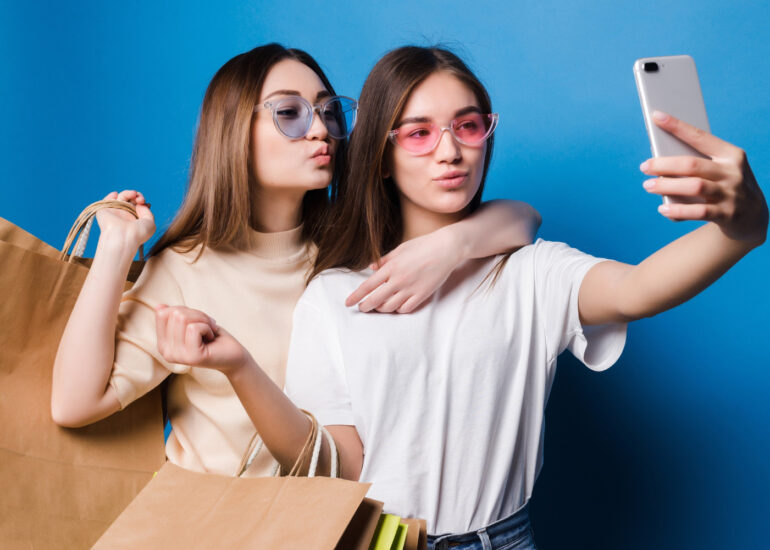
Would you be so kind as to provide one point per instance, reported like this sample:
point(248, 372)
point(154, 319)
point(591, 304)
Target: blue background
point(669, 448)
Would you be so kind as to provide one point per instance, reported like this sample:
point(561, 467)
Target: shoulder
point(332, 286)
point(558, 264)
point(539, 248)
point(170, 259)
point(339, 277)
point(536, 259)
point(549, 251)
point(160, 274)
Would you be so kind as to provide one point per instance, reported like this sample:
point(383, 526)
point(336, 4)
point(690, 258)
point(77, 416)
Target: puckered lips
point(322, 156)
point(452, 179)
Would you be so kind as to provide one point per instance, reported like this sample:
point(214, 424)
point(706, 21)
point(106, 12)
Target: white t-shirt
point(449, 400)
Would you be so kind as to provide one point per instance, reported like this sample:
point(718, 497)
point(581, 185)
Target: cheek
point(268, 143)
point(478, 164)
point(271, 152)
point(411, 174)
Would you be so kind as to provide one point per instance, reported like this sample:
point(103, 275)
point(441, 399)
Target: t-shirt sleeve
point(559, 272)
point(315, 371)
point(138, 366)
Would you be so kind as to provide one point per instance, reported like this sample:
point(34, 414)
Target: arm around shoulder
point(413, 271)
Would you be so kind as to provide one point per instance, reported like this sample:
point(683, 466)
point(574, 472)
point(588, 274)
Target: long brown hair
point(217, 207)
point(366, 222)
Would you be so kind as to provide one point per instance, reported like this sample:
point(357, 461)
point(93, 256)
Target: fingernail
point(643, 166)
point(660, 116)
point(664, 209)
point(648, 184)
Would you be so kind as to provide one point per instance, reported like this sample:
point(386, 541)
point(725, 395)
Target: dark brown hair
point(366, 220)
point(217, 207)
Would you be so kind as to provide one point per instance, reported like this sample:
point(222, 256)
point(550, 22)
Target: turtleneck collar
point(274, 246)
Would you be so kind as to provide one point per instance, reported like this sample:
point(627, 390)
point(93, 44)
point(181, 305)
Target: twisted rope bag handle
point(83, 224)
point(311, 449)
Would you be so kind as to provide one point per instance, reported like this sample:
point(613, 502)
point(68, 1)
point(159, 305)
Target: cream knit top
point(251, 293)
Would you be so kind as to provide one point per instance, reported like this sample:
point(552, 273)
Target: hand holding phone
point(719, 180)
point(670, 84)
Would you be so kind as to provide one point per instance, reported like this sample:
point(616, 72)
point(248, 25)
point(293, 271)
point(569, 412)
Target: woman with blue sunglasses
point(269, 151)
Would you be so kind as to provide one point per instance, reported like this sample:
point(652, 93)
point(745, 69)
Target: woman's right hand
point(134, 231)
point(190, 337)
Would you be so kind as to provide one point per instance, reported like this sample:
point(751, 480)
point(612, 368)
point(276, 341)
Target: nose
point(317, 129)
point(447, 150)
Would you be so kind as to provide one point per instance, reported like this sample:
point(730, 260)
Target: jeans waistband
point(506, 527)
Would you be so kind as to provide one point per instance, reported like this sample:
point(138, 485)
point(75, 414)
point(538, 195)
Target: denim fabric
point(511, 533)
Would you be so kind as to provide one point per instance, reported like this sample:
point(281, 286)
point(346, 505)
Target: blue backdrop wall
point(669, 448)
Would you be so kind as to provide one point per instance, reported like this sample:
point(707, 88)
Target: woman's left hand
point(190, 337)
point(729, 194)
point(408, 274)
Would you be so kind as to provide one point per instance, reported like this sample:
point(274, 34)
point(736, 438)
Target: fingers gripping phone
point(670, 84)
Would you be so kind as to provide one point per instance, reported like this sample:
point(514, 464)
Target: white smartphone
point(670, 84)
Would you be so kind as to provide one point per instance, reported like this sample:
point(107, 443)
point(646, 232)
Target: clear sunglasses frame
point(273, 105)
point(493, 119)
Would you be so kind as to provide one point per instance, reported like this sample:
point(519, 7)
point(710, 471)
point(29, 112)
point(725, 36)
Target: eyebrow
point(461, 112)
point(320, 95)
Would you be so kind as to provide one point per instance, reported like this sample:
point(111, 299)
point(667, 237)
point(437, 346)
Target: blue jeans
point(511, 533)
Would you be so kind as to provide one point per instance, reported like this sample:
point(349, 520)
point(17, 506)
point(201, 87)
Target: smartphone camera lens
point(650, 67)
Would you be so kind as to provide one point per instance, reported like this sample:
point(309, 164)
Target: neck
point(276, 210)
point(418, 221)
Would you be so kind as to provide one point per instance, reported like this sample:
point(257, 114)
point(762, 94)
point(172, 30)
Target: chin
point(317, 183)
point(451, 203)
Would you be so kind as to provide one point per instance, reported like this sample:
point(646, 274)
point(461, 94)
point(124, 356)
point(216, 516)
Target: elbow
point(351, 473)
point(63, 416)
point(351, 466)
point(537, 220)
point(63, 408)
point(530, 213)
point(67, 414)
point(632, 310)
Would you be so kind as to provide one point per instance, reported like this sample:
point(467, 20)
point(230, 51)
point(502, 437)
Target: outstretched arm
point(412, 272)
point(732, 203)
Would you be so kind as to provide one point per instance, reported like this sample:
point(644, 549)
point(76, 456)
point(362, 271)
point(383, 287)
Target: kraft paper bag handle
point(316, 437)
point(83, 225)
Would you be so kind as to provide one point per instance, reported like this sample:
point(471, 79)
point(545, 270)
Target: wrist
point(112, 253)
point(114, 241)
point(455, 242)
point(240, 369)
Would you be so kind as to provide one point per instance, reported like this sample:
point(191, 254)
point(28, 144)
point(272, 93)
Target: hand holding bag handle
point(83, 225)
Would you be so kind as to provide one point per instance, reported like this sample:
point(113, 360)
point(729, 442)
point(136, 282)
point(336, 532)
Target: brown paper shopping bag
point(184, 509)
point(59, 488)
